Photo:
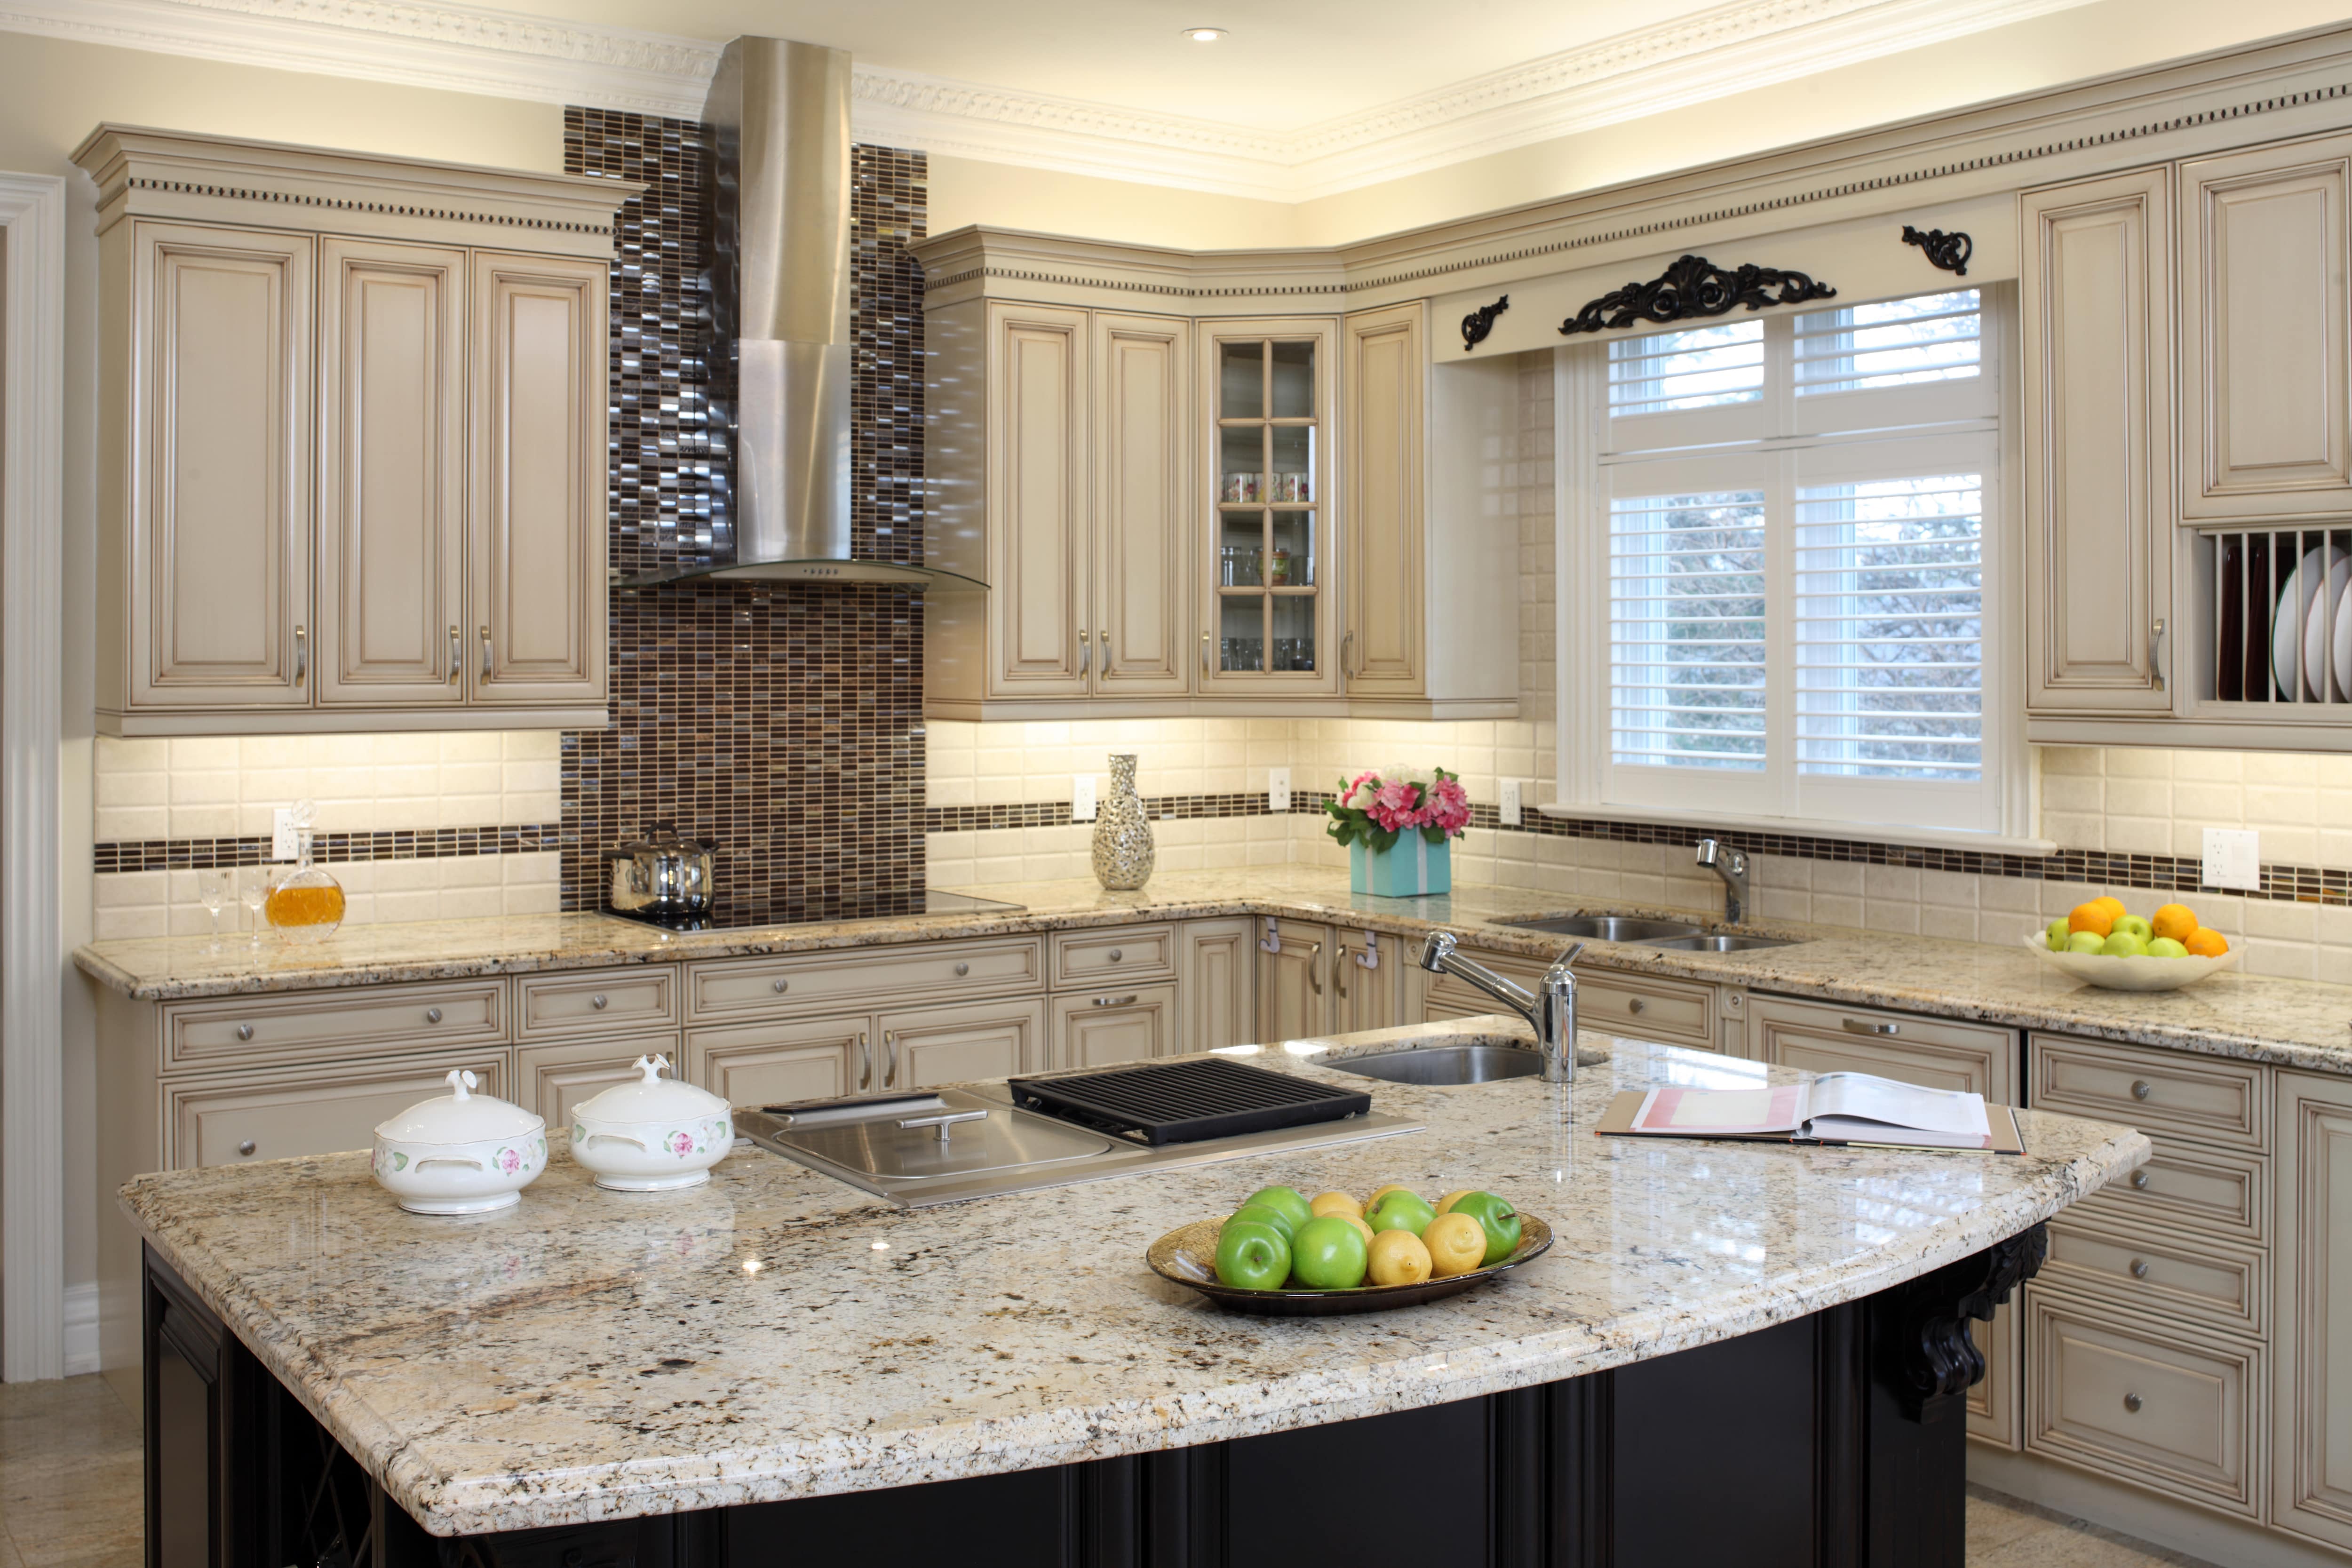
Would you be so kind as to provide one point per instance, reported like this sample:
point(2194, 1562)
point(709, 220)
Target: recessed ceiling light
point(1205, 35)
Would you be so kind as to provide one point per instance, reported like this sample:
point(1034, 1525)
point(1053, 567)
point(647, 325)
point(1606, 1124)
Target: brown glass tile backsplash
point(782, 724)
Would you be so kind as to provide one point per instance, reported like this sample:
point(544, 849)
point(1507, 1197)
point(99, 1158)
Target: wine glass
point(254, 888)
point(213, 886)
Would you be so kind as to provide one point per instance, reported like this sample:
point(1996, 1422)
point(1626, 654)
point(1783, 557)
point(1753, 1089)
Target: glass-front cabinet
point(1269, 518)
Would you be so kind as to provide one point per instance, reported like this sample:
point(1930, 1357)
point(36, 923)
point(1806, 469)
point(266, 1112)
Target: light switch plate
point(284, 844)
point(1509, 805)
point(2233, 858)
point(1082, 797)
point(1277, 789)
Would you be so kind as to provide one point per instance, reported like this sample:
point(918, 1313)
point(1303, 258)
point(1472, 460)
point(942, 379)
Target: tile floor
point(69, 1495)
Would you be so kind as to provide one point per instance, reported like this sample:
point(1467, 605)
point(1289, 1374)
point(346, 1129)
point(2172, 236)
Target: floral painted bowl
point(461, 1152)
point(653, 1134)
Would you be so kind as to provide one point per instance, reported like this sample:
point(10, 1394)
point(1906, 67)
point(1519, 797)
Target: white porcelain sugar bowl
point(653, 1134)
point(460, 1153)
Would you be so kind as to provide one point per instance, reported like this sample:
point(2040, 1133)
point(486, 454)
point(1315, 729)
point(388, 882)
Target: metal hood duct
point(776, 123)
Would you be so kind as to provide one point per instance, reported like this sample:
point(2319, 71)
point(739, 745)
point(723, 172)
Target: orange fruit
point(2178, 921)
point(2112, 905)
point(2094, 917)
point(2204, 943)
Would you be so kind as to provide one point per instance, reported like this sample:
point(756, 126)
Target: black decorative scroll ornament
point(1480, 321)
point(1695, 287)
point(1933, 1353)
point(1948, 252)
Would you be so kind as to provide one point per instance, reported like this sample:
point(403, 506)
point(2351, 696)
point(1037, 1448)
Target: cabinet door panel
point(2310, 1448)
point(552, 1080)
point(392, 460)
point(1094, 1030)
point(957, 1045)
point(1217, 978)
point(1361, 997)
point(1037, 501)
point(1294, 984)
point(1142, 505)
point(2264, 275)
point(537, 412)
point(778, 1064)
point(221, 501)
point(1383, 634)
point(2095, 296)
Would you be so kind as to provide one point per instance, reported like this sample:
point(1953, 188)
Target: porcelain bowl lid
point(651, 1098)
point(460, 1116)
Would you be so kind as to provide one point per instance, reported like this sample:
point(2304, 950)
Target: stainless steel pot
point(661, 874)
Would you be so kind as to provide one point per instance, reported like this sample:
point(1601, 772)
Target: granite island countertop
point(588, 1355)
point(2287, 1022)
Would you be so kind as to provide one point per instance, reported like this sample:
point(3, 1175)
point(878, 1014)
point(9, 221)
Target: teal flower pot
point(1412, 868)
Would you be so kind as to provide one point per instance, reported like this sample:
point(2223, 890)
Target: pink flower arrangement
point(1378, 805)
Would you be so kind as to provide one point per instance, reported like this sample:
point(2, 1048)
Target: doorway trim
point(32, 538)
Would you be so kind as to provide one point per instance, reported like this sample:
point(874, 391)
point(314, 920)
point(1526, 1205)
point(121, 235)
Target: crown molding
point(466, 48)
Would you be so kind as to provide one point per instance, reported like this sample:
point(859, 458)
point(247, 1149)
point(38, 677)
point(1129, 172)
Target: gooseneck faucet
point(1732, 867)
point(1549, 1009)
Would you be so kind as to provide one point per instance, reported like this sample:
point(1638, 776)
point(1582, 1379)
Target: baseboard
point(2160, 1521)
point(81, 1328)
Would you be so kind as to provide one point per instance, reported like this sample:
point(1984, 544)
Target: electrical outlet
point(2233, 858)
point(1082, 797)
point(284, 843)
point(1510, 804)
point(1277, 789)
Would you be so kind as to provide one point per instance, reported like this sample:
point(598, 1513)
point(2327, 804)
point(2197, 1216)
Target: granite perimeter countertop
point(775, 1334)
point(2287, 1022)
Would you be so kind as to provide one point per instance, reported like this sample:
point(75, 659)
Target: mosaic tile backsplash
point(781, 724)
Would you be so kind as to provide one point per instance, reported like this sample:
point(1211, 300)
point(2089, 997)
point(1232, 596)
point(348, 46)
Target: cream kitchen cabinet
point(1093, 1030)
point(1216, 982)
point(2311, 1443)
point(351, 474)
point(782, 1062)
point(922, 1048)
point(1374, 981)
point(552, 1078)
point(1294, 984)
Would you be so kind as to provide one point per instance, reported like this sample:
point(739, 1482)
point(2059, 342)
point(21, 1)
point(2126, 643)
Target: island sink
point(1446, 1065)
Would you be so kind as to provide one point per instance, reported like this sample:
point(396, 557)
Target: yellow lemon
point(1358, 1221)
point(1378, 1193)
point(1446, 1205)
point(1456, 1243)
point(1399, 1258)
point(1337, 1202)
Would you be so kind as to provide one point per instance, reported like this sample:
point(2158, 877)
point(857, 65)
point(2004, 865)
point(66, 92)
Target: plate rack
point(2279, 632)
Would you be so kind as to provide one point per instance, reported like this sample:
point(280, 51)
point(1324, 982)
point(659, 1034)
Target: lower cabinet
point(955, 1045)
point(2311, 1433)
point(1093, 1031)
point(1294, 982)
point(1369, 978)
point(552, 1080)
point(296, 1111)
point(1216, 975)
point(782, 1064)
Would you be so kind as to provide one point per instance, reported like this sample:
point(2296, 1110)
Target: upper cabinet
point(352, 469)
point(1207, 512)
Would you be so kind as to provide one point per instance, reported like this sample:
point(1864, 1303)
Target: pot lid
point(651, 1098)
point(460, 1116)
point(664, 840)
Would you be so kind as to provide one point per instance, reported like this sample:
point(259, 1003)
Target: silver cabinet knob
point(2132, 1402)
point(245, 1147)
point(245, 1031)
point(963, 969)
point(433, 1015)
point(2139, 1267)
point(597, 1003)
point(1116, 955)
point(782, 986)
point(2139, 1181)
point(2139, 1088)
point(1636, 1006)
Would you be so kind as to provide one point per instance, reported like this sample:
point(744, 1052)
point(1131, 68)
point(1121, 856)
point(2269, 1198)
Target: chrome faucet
point(1549, 1009)
point(1732, 867)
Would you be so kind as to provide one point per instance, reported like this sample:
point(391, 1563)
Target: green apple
point(1265, 1214)
point(1400, 1210)
point(1499, 1219)
point(2085, 942)
point(1284, 1200)
point(2165, 947)
point(2058, 935)
point(2124, 944)
point(2132, 925)
point(1329, 1253)
point(1253, 1256)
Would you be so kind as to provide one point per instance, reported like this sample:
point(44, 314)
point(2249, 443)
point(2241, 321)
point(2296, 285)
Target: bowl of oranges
point(2103, 943)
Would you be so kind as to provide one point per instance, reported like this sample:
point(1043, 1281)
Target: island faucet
point(1549, 1009)
point(1732, 867)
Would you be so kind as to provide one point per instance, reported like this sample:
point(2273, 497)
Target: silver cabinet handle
point(245, 1031)
point(457, 658)
point(1347, 646)
point(301, 655)
point(1315, 966)
point(596, 1002)
point(889, 1058)
point(1127, 1001)
point(782, 986)
point(1086, 652)
point(2156, 652)
point(1866, 1026)
point(245, 1147)
point(1636, 1006)
point(1205, 653)
point(486, 651)
point(2139, 1181)
point(2139, 1267)
point(2132, 1402)
point(433, 1015)
point(2139, 1088)
point(963, 969)
point(865, 1061)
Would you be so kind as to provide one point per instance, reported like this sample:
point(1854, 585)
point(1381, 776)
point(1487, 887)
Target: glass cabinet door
point(1270, 388)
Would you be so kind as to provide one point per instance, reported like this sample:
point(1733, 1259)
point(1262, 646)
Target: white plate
point(2296, 594)
point(2131, 974)
point(2323, 620)
point(2344, 643)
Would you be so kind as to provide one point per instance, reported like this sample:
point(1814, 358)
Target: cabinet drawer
point(2172, 1276)
point(2142, 1403)
point(368, 1020)
point(1131, 953)
point(2212, 1191)
point(859, 979)
point(1674, 1011)
point(1934, 1052)
point(2154, 1090)
point(598, 1002)
point(281, 1116)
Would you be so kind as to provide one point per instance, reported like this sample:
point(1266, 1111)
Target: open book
point(1835, 1107)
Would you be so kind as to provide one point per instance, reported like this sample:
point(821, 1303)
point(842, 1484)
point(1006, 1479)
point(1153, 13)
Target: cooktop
point(737, 914)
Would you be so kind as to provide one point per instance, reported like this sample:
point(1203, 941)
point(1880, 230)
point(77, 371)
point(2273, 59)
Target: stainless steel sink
point(1719, 943)
point(1446, 1064)
point(1607, 928)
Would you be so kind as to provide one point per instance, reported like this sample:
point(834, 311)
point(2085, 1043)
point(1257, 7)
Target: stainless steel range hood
point(776, 122)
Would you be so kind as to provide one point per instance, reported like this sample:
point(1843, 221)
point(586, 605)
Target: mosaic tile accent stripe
point(326, 848)
point(781, 724)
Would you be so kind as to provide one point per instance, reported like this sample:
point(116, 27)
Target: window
point(1789, 560)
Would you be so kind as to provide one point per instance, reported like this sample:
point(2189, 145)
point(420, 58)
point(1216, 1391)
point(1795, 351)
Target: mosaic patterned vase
point(1123, 848)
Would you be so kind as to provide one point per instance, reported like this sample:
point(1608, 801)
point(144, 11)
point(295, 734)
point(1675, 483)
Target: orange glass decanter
point(306, 903)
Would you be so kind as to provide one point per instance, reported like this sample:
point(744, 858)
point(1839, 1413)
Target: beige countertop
point(2285, 1022)
point(776, 1334)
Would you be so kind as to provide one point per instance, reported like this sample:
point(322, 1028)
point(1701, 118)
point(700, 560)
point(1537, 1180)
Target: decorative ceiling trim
point(466, 48)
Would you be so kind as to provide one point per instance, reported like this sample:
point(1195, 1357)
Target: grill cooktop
point(739, 914)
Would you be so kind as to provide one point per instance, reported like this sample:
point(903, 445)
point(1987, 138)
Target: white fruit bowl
point(2111, 974)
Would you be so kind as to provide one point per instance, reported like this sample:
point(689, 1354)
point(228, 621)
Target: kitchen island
point(1743, 1345)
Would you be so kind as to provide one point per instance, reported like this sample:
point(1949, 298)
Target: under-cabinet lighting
point(1205, 35)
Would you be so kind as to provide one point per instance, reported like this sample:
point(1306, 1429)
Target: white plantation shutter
point(1687, 630)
